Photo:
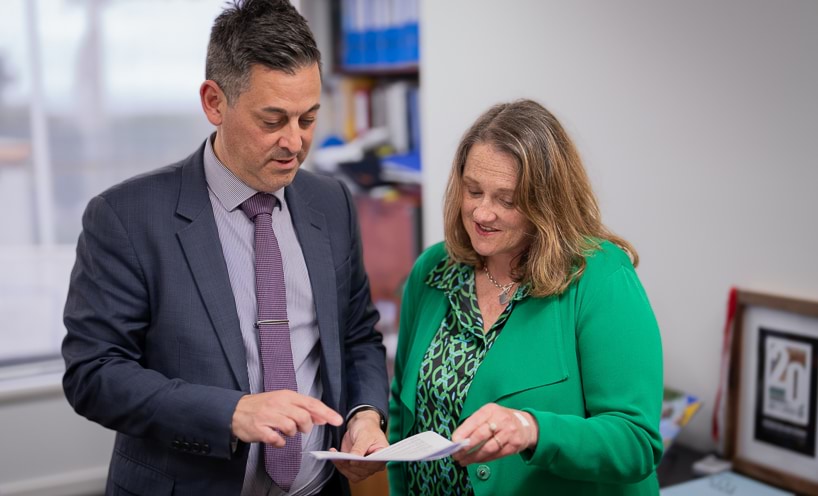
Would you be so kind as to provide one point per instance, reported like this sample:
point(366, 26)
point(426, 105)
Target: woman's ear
point(214, 102)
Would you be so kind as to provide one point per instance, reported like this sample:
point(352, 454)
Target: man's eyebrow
point(281, 111)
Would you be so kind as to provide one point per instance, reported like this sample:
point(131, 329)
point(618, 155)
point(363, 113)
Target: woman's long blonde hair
point(553, 193)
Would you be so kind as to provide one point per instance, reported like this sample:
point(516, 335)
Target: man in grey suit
point(163, 312)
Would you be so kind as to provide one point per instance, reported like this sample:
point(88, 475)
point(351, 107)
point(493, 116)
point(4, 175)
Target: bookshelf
point(374, 90)
point(377, 36)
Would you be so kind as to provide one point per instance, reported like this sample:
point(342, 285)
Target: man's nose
point(291, 139)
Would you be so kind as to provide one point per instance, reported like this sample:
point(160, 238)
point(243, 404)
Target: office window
point(91, 92)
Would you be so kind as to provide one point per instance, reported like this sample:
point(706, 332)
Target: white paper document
point(420, 447)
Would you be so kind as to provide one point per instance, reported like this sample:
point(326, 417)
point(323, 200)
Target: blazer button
point(197, 447)
point(205, 448)
point(186, 446)
point(175, 444)
point(483, 472)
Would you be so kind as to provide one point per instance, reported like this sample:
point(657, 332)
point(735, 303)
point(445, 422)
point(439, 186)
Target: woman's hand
point(494, 432)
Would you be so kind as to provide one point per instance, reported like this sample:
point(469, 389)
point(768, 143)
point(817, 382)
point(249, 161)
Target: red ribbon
point(732, 304)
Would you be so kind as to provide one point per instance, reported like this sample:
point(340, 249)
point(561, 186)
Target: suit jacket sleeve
point(108, 377)
point(364, 354)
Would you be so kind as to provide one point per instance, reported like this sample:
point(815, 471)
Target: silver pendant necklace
point(504, 295)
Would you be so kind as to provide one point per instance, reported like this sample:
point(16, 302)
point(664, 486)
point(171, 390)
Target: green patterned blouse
point(446, 372)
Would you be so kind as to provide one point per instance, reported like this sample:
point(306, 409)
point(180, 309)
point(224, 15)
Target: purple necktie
point(282, 464)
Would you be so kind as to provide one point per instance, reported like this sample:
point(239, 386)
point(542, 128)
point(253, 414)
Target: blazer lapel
point(529, 352)
point(433, 309)
point(203, 250)
point(313, 235)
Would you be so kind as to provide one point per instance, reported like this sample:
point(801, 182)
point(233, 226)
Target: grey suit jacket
point(154, 350)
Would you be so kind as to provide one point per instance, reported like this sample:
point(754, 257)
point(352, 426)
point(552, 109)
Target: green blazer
point(587, 364)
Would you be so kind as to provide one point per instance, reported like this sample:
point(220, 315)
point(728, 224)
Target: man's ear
point(214, 101)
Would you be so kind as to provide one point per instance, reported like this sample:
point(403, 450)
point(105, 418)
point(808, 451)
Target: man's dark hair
point(267, 32)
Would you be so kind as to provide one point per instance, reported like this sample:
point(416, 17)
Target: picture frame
point(771, 395)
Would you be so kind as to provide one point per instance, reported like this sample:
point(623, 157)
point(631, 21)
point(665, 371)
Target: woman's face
point(495, 226)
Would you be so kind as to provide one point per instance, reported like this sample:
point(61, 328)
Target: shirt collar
point(451, 276)
point(228, 189)
point(448, 275)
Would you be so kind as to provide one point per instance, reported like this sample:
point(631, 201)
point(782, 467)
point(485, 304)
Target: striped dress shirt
point(236, 233)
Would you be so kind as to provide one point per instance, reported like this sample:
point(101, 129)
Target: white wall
point(46, 448)
point(697, 122)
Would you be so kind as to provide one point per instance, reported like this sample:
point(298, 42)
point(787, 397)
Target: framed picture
point(771, 403)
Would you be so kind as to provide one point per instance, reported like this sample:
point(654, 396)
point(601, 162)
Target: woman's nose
point(482, 213)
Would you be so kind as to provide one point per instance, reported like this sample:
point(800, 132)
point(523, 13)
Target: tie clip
point(271, 321)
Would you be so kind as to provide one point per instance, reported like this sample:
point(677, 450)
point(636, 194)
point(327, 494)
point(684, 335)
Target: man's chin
point(273, 180)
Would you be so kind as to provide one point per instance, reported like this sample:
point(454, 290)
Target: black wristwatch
point(364, 408)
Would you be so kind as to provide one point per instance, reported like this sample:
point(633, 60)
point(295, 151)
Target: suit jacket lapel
point(203, 250)
point(313, 235)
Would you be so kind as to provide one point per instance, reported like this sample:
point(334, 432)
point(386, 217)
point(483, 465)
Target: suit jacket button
point(175, 444)
point(205, 448)
point(483, 472)
point(197, 447)
point(186, 446)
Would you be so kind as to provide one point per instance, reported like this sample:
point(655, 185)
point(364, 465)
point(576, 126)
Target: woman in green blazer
point(528, 332)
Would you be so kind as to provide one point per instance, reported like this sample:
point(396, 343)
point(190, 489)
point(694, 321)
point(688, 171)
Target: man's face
point(266, 133)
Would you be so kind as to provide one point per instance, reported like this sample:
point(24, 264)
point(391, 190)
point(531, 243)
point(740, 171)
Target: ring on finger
point(492, 427)
point(499, 446)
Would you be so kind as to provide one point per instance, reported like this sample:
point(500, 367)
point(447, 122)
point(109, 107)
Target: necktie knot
point(260, 203)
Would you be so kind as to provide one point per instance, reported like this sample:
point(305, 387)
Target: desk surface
point(721, 484)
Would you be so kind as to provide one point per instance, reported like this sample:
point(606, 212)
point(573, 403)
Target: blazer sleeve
point(408, 323)
point(619, 349)
point(107, 316)
point(397, 479)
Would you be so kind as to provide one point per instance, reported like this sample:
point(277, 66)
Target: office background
point(697, 122)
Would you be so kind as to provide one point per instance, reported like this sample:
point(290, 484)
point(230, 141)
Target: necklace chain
point(504, 288)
